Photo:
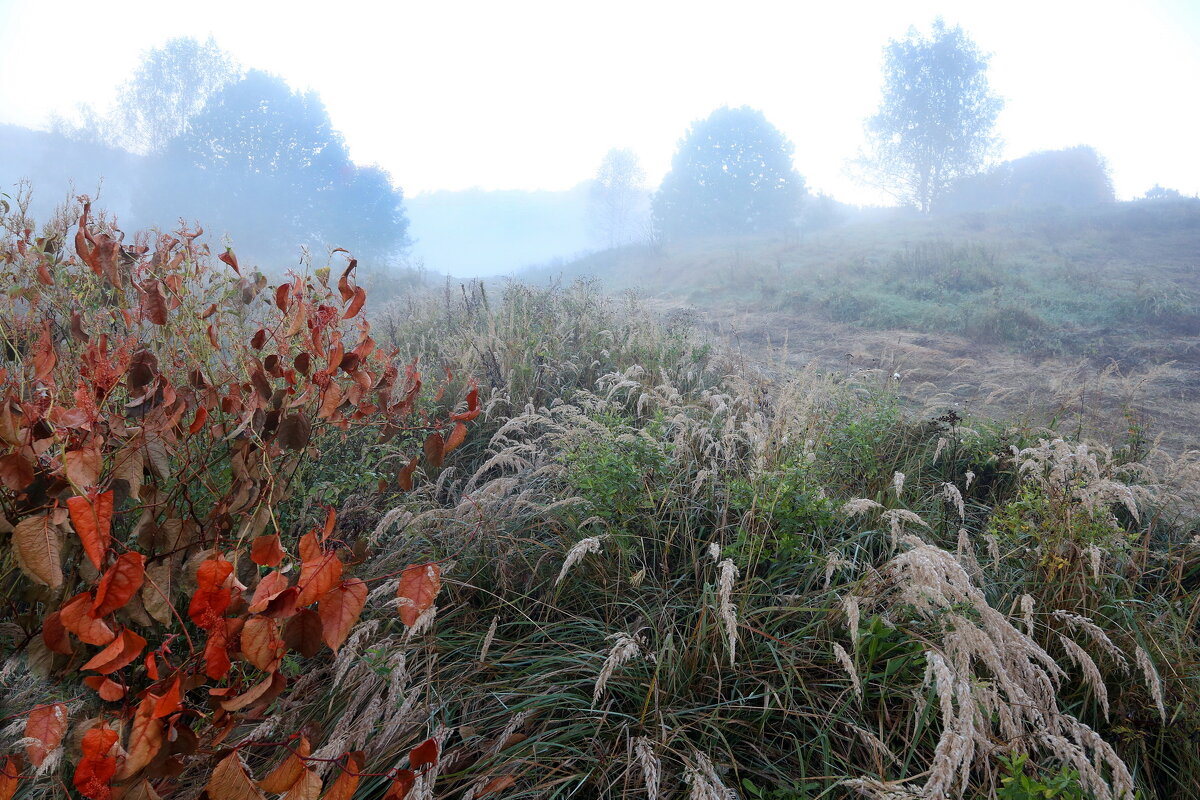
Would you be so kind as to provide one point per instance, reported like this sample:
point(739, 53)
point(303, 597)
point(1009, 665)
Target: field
point(555, 542)
point(1090, 316)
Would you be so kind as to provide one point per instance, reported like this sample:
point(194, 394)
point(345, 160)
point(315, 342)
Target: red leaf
point(472, 405)
point(404, 476)
point(229, 781)
point(145, 739)
point(424, 754)
point(418, 588)
point(289, 771)
point(212, 597)
point(497, 784)
point(216, 654)
point(120, 653)
point(154, 304)
point(54, 634)
point(93, 524)
point(360, 297)
point(283, 296)
point(120, 582)
point(266, 551)
point(151, 666)
point(344, 288)
point(339, 609)
point(229, 258)
point(170, 702)
point(96, 769)
point(303, 633)
point(47, 724)
point(198, 421)
point(15, 472)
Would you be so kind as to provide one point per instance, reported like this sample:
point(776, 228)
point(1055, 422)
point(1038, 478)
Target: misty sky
point(528, 95)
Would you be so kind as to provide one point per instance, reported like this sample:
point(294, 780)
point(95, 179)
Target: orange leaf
point(82, 465)
point(402, 782)
point(339, 609)
point(320, 570)
point(404, 476)
point(47, 724)
point(251, 695)
point(288, 771)
point(307, 788)
point(145, 739)
point(10, 778)
point(122, 652)
point(472, 405)
point(267, 552)
point(93, 524)
point(269, 587)
point(95, 771)
point(35, 545)
point(424, 754)
point(418, 588)
point(456, 437)
point(170, 702)
point(120, 582)
point(330, 522)
point(331, 398)
point(110, 691)
point(198, 421)
point(76, 616)
point(229, 781)
point(262, 645)
point(347, 779)
point(434, 450)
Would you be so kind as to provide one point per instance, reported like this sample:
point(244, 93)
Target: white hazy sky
point(530, 95)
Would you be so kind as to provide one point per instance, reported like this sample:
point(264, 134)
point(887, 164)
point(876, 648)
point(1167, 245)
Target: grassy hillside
point(1008, 307)
point(668, 570)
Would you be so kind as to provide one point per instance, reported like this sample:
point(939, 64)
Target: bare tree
point(618, 204)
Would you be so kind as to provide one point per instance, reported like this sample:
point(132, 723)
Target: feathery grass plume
point(1091, 673)
point(1094, 558)
point(728, 614)
point(992, 680)
point(941, 445)
point(650, 764)
point(993, 546)
point(834, 562)
point(954, 497)
point(898, 483)
point(1153, 682)
point(862, 505)
point(896, 518)
point(487, 639)
point(1027, 613)
point(578, 550)
point(970, 476)
point(966, 553)
point(702, 777)
point(423, 623)
point(624, 648)
point(850, 606)
point(847, 663)
point(714, 551)
point(1095, 633)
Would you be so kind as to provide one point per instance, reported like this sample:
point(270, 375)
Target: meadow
point(586, 545)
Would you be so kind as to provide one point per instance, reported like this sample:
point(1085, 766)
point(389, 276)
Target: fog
point(498, 160)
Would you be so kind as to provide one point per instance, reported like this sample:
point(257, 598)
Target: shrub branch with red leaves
point(154, 406)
